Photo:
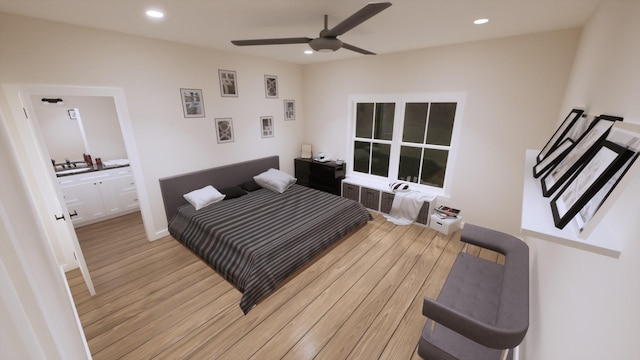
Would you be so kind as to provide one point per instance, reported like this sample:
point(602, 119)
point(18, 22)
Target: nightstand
point(325, 176)
point(445, 226)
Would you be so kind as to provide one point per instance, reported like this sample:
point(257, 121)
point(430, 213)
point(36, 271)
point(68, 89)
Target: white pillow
point(275, 180)
point(203, 197)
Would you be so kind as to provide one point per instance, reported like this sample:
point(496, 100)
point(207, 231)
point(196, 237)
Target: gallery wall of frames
point(193, 105)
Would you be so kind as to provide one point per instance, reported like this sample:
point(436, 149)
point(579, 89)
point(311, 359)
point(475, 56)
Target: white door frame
point(34, 161)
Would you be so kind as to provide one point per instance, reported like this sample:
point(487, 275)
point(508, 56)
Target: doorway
point(36, 164)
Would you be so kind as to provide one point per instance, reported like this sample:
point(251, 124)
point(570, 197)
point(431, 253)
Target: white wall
point(63, 136)
point(514, 90)
point(151, 73)
point(584, 305)
point(38, 316)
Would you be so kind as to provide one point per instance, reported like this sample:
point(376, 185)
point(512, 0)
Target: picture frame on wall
point(224, 130)
point(576, 156)
point(560, 134)
point(271, 86)
point(289, 110)
point(228, 83)
point(628, 136)
point(552, 158)
point(73, 114)
point(192, 103)
point(266, 126)
point(587, 181)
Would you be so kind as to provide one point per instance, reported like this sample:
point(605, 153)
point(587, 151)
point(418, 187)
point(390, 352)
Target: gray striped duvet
point(257, 240)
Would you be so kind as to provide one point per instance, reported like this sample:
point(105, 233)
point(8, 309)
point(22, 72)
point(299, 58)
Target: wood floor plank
point(346, 338)
point(360, 299)
point(315, 339)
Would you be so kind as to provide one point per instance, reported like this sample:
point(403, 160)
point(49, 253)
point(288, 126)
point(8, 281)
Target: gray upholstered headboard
point(173, 188)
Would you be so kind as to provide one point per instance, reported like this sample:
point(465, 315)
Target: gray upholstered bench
point(483, 308)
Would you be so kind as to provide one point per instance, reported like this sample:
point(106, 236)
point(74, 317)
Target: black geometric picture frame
point(192, 103)
point(629, 138)
point(561, 133)
point(271, 86)
point(289, 110)
point(228, 83)
point(579, 153)
point(224, 130)
point(587, 181)
point(555, 156)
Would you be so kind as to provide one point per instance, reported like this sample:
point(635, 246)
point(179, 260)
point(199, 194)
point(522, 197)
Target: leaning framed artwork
point(192, 103)
point(552, 158)
point(271, 86)
point(576, 156)
point(560, 134)
point(289, 110)
point(266, 126)
point(224, 130)
point(628, 136)
point(228, 83)
point(587, 181)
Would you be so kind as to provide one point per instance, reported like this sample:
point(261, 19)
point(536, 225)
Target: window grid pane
point(361, 156)
point(383, 129)
point(440, 128)
point(364, 120)
point(410, 161)
point(415, 122)
point(434, 165)
point(380, 154)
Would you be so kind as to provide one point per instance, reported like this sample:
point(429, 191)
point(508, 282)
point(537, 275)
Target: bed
point(257, 240)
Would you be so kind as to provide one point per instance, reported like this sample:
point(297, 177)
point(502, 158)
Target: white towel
point(119, 162)
point(406, 206)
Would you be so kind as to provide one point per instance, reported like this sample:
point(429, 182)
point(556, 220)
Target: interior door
point(41, 181)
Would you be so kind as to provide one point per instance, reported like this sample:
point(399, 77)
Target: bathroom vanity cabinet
point(99, 195)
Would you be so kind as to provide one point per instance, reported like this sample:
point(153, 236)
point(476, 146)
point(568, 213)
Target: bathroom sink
point(73, 171)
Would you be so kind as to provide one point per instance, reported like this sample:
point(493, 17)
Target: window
point(408, 138)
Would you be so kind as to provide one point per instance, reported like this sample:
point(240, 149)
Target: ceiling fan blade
point(357, 49)
point(357, 18)
point(281, 41)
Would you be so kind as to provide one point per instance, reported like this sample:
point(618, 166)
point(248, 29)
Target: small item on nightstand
point(305, 151)
point(99, 163)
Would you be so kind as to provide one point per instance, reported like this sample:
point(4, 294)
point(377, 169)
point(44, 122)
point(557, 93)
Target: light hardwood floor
point(361, 299)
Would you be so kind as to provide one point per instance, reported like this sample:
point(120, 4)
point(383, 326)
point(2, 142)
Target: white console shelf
point(537, 220)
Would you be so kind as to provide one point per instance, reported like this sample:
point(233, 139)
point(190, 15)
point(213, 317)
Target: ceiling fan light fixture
point(325, 44)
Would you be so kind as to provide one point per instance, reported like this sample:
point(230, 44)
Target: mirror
point(93, 129)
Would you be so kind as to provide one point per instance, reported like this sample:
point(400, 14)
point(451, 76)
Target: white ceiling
point(407, 25)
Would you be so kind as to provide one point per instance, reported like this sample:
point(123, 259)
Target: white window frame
point(400, 100)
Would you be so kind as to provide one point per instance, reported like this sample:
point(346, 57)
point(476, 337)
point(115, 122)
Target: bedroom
point(501, 129)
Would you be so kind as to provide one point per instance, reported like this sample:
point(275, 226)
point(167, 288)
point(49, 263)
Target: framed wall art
point(73, 114)
point(561, 133)
point(228, 83)
point(289, 110)
point(224, 130)
point(628, 136)
point(576, 156)
point(556, 155)
point(192, 103)
point(587, 181)
point(271, 86)
point(266, 126)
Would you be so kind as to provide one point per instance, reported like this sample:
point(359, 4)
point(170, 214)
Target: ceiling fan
point(328, 39)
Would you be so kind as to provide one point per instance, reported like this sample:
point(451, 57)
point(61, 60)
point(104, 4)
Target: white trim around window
point(401, 100)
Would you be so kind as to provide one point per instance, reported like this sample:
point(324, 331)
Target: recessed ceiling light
point(156, 14)
point(480, 21)
point(308, 52)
